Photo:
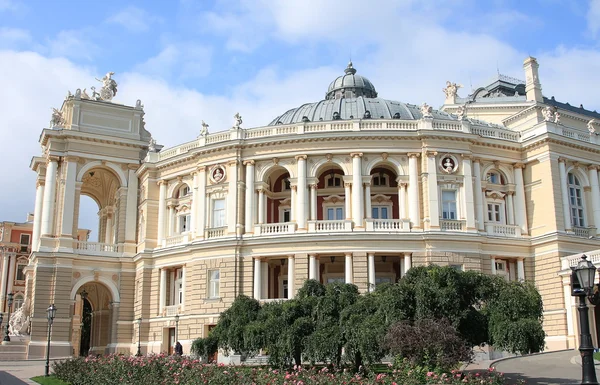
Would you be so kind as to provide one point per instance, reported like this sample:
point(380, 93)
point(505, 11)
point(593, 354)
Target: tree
point(230, 330)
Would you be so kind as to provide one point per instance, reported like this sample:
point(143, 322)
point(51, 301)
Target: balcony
point(452, 225)
point(215, 232)
point(178, 239)
point(275, 228)
point(329, 226)
point(387, 225)
point(171, 311)
point(586, 232)
point(499, 230)
point(96, 248)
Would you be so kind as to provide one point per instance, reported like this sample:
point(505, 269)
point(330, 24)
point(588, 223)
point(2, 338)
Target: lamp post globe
point(585, 273)
point(50, 314)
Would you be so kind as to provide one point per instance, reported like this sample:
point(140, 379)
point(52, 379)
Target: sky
point(190, 61)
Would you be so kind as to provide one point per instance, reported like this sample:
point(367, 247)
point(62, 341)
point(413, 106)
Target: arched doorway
point(92, 319)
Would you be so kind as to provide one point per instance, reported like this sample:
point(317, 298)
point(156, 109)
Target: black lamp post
point(1, 318)
point(176, 326)
point(139, 352)
point(10, 302)
point(585, 273)
point(51, 313)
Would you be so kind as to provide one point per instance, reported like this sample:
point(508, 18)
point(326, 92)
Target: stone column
point(232, 192)
point(318, 268)
point(301, 202)
point(368, 211)
point(11, 272)
point(347, 200)
point(113, 324)
point(162, 291)
point(469, 197)
point(261, 206)
point(313, 202)
point(348, 268)
point(434, 204)
point(171, 221)
point(200, 213)
point(162, 203)
point(402, 200)
point(520, 206)
point(183, 287)
point(68, 209)
point(109, 225)
point(5, 258)
point(49, 197)
point(37, 215)
point(479, 218)
point(257, 278)
point(520, 270)
point(407, 262)
point(371, 271)
point(293, 201)
point(194, 209)
point(593, 173)
point(357, 190)
point(264, 273)
point(413, 190)
point(291, 277)
point(510, 208)
point(493, 261)
point(312, 270)
point(250, 197)
point(132, 204)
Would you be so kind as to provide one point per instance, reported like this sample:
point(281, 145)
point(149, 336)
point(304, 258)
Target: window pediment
point(380, 198)
point(494, 194)
point(333, 199)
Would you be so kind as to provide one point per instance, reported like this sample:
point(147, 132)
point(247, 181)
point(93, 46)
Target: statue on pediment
point(426, 110)
point(548, 113)
point(109, 87)
point(461, 112)
point(152, 145)
point(57, 119)
point(451, 91)
point(237, 121)
point(204, 130)
point(590, 126)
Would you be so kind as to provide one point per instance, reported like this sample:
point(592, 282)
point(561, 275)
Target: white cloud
point(183, 60)
point(73, 44)
point(134, 19)
point(593, 17)
point(13, 37)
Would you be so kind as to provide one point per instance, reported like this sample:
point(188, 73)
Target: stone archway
point(98, 307)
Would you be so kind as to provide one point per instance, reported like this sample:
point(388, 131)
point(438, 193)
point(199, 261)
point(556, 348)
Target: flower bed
point(167, 370)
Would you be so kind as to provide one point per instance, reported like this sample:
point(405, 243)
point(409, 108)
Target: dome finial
point(350, 70)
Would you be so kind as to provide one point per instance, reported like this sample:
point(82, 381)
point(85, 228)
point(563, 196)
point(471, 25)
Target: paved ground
point(547, 369)
point(20, 372)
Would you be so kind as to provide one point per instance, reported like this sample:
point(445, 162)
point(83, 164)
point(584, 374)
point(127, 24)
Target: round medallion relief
point(217, 174)
point(449, 164)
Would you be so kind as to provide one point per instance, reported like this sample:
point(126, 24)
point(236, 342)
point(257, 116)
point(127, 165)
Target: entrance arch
point(92, 331)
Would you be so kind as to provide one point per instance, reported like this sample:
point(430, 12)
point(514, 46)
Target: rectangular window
point(379, 212)
point(334, 182)
point(335, 213)
point(285, 288)
point(25, 238)
point(184, 223)
point(218, 218)
point(449, 204)
point(494, 212)
point(20, 273)
point(457, 267)
point(336, 279)
point(179, 286)
point(214, 277)
point(500, 266)
point(286, 215)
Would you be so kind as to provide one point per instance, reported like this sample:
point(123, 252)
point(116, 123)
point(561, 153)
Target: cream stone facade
point(354, 188)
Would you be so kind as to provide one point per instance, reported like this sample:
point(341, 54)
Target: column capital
point(467, 157)
point(133, 167)
point(367, 184)
point(248, 162)
point(519, 165)
point(70, 158)
point(348, 254)
point(475, 159)
point(201, 168)
point(587, 188)
point(413, 154)
point(313, 186)
point(562, 160)
point(347, 184)
point(52, 158)
point(291, 256)
point(431, 153)
point(40, 183)
point(593, 167)
point(314, 255)
point(370, 254)
point(298, 157)
point(293, 187)
point(403, 184)
point(232, 162)
point(161, 182)
point(356, 154)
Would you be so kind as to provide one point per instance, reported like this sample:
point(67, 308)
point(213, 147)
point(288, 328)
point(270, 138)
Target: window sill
point(213, 299)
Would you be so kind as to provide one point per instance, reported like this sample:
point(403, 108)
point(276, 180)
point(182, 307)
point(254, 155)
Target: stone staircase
point(13, 351)
point(256, 361)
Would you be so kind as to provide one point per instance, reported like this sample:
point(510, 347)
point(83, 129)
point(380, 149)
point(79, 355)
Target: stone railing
point(586, 232)
point(215, 232)
point(572, 260)
point(387, 225)
point(497, 229)
point(171, 311)
point(452, 225)
point(329, 226)
point(177, 239)
point(97, 247)
point(274, 228)
point(346, 125)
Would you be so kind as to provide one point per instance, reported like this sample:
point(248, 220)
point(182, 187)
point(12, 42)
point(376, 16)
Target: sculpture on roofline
point(57, 119)
point(237, 121)
point(557, 117)
point(204, 130)
point(426, 110)
point(152, 145)
point(590, 126)
point(19, 322)
point(109, 87)
point(461, 112)
point(548, 113)
point(451, 91)
point(84, 95)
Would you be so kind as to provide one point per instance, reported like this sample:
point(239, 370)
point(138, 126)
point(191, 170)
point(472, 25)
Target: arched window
point(495, 177)
point(576, 201)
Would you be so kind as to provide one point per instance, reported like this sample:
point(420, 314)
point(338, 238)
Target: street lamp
point(10, 302)
point(139, 352)
point(585, 274)
point(176, 326)
point(51, 313)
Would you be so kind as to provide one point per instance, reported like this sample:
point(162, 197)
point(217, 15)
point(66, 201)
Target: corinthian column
point(593, 173)
point(357, 190)
point(301, 202)
point(520, 207)
point(413, 190)
point(162, 204)
point(250, 197)
point(434, 204)
point(37, 215)
point(49, 197)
